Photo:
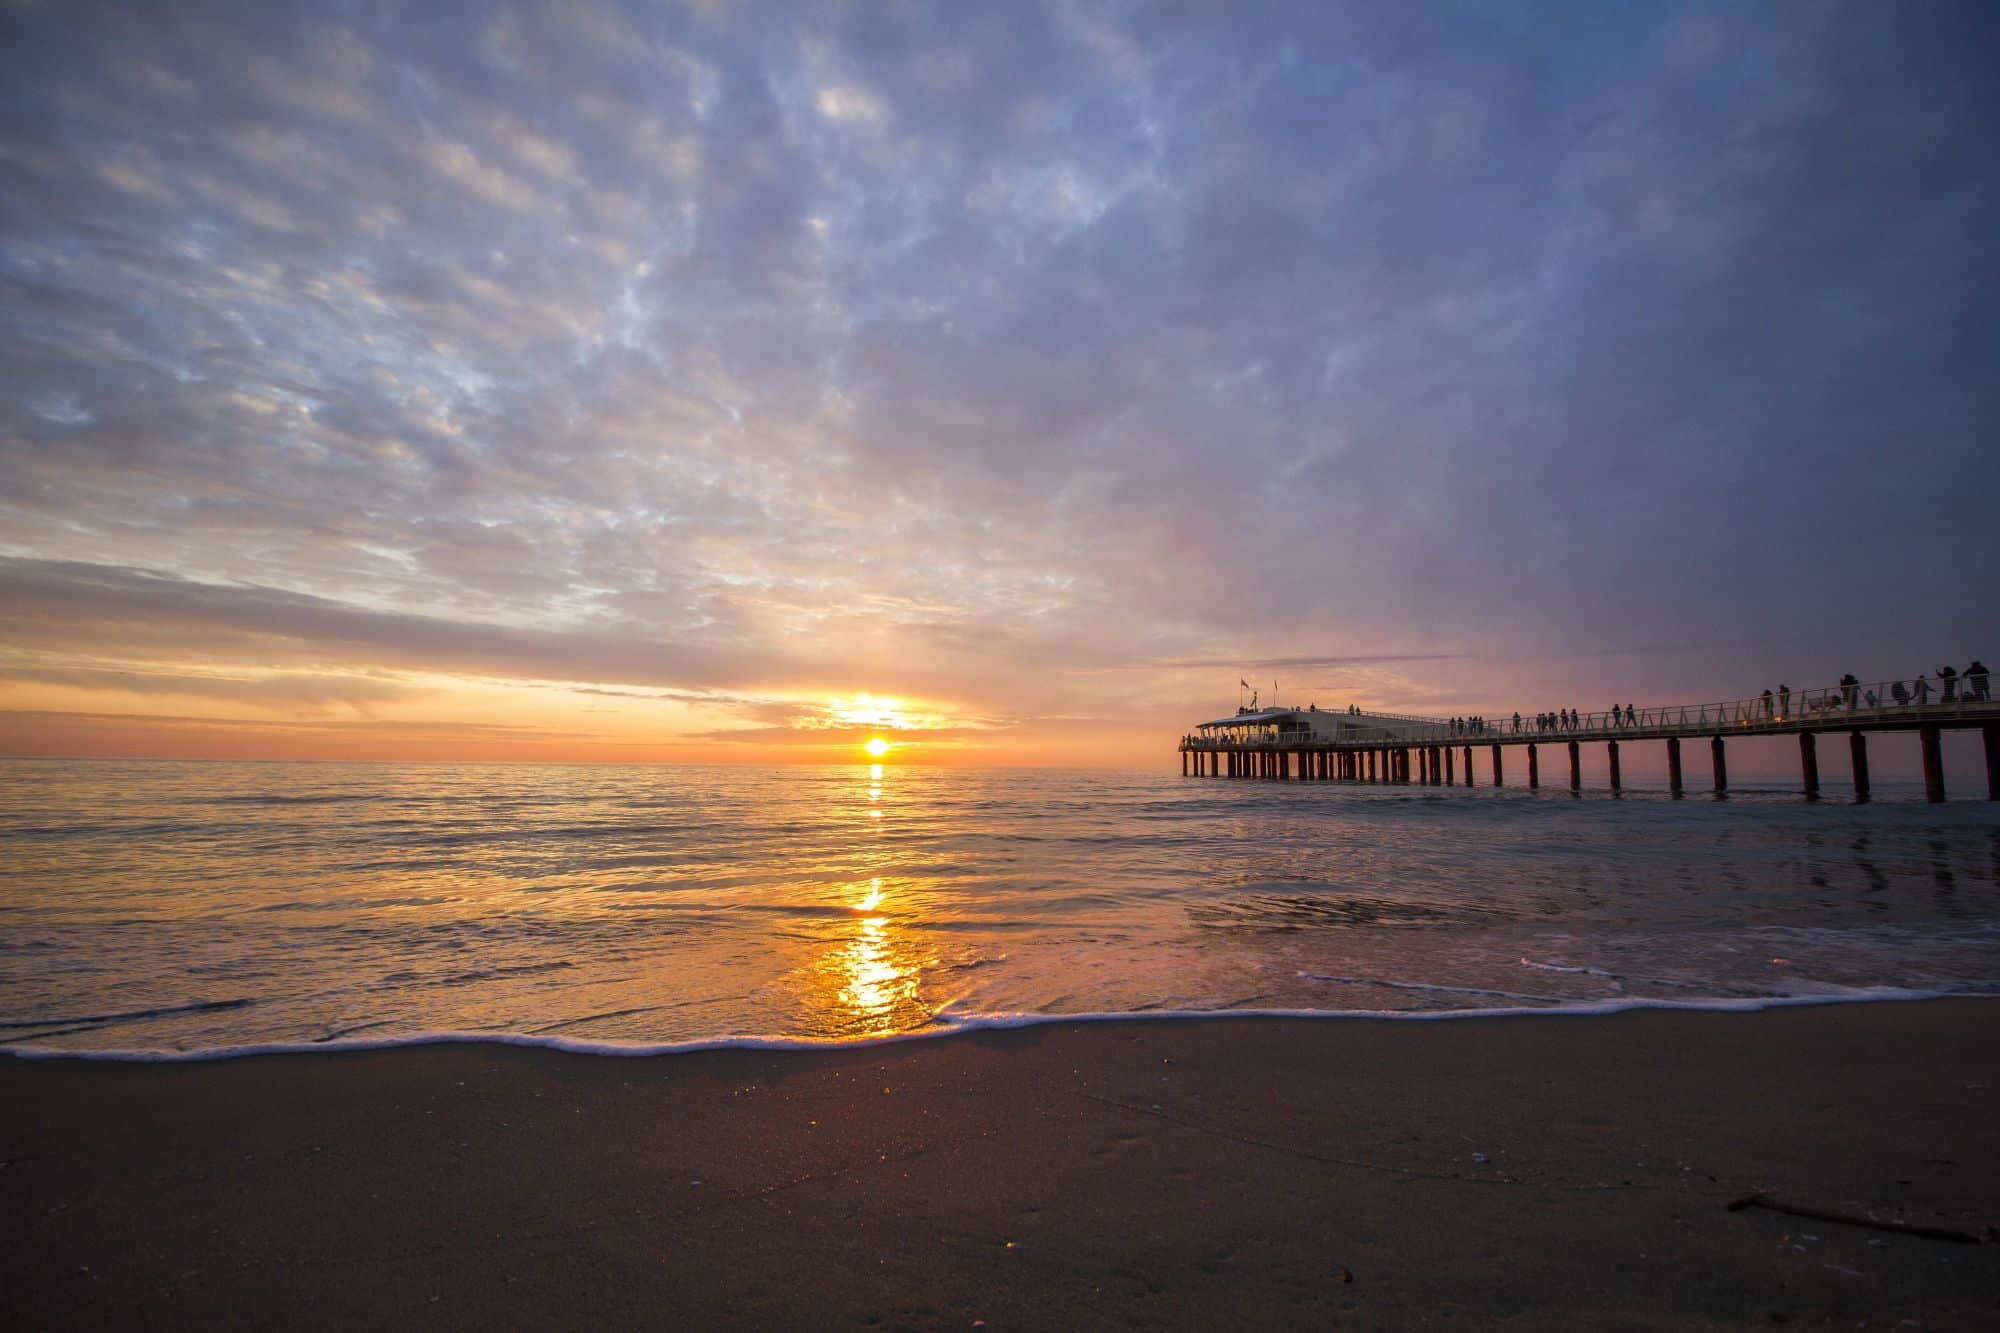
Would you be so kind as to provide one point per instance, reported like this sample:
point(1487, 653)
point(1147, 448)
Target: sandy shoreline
point(1525, 1172)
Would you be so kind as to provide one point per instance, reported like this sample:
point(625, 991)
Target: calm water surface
point(178, 906)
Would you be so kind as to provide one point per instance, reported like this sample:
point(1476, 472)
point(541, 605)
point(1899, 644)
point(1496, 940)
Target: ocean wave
point(1431, 987)
point(81, 1021)
point(947, 1024)
point(309, 798)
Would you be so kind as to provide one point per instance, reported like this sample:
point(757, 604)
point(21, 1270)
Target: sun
point(876, 747)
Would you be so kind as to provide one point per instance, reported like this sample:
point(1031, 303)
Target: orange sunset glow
point(776, 663)
point(747, 387)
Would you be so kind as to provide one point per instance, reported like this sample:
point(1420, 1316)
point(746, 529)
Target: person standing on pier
point(1921, 688)
point(1768, 710)
point(1978, 681)
point(1948, 678)
point(1848, 686)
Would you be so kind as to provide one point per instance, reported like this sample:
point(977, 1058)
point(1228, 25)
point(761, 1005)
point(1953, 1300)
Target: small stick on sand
point(1853, 1219)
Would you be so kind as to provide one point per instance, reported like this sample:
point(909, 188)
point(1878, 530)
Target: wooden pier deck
point(1293, 745)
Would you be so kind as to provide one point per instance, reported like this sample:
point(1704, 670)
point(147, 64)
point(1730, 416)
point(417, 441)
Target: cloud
point(295, 692)
point(55, 607)
point(1027, 359)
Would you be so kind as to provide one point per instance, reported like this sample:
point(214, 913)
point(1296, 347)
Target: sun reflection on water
point(871, 980)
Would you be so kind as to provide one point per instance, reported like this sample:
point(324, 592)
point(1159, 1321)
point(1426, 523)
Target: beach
point(1543, 1171)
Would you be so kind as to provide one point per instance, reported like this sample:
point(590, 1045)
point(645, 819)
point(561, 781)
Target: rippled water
point(176, 906)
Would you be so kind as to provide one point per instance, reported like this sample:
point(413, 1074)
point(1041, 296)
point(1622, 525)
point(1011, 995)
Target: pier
point(1309, 744)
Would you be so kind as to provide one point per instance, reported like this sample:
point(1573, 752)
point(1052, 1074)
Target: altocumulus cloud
point(972, 352)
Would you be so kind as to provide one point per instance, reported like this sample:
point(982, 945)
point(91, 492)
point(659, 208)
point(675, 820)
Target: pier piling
point(1617, 782)
point(1933, 763)
point(1468, 765)
point(1534, 768)
point(1575, 767)
point(1720, 763)
point(1496, 765)
point(1451, 779)
point(1857, 754)
point(1674, 765)
point(1809, 764)
point(1992, 738)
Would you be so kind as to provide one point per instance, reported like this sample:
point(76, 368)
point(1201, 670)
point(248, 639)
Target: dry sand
point(1480, 1173)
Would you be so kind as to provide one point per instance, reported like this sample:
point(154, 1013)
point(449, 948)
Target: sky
point(733, 383)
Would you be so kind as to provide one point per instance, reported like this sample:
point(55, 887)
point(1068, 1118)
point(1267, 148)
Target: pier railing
point(1920, 702)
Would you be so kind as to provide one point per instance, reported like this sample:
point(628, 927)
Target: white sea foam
point(950, 1025)
point(1573, 971)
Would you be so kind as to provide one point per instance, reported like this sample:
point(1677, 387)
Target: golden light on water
point(869, 978)
point(872, 982)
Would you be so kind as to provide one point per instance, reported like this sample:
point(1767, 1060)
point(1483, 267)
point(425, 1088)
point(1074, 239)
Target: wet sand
point(1479, 1173)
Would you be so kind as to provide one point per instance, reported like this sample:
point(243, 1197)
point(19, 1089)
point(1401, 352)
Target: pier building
point(1314, 744)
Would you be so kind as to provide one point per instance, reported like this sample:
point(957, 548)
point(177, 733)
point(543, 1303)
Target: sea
point(167, 910)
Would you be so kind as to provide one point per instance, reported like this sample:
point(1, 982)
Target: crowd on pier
point(1563, 719)
point(1973, 685)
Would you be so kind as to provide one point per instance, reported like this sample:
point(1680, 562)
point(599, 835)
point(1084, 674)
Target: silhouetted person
point(1784, 699)
point(1948, 678)
point(1848, 686)
point(1921, 687)
point(1769, 710)
point(1978, 681)
point(1899, 694)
